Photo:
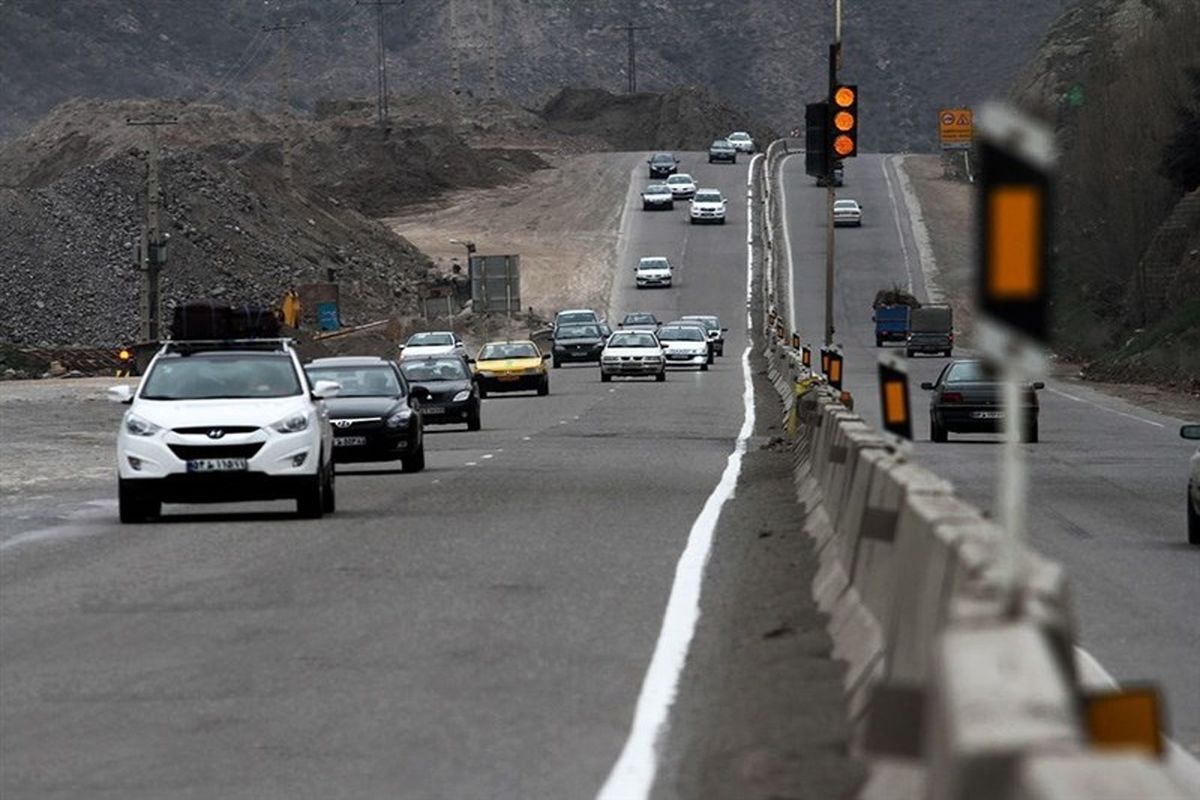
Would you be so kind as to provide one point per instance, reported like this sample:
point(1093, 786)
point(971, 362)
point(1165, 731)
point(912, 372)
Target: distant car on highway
point(376, 416)
point(573, 343)
point(1193, 495)
point(633, 353)
point(708, 205)
point(703, 328)
point(716, 334)
point(969, 398)
point(639, 321)
point(930, 330)
point(657, 196)
point(512, 366)
point(224, 422)
point(721, 150)
point(847, 212)
point(653, 271)
point(685, 346)
point(662, 165)
point(433, 343)
point(453, 395)
point(741, 141)
point(580, 316)
point(682, 186)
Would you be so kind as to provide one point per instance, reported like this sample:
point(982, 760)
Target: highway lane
point(1107, 479)
point(478, 630)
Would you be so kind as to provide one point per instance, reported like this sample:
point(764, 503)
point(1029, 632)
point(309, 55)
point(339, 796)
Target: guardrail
point(960, 685)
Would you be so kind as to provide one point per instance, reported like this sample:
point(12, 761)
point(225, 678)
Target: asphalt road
point(1107, 479)
point(479, 630)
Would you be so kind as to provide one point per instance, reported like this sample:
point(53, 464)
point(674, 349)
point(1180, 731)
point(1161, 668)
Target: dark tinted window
point(434, 369)
point(967, 371)
point(361, 381)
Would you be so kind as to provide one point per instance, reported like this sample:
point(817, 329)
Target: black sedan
point(453, 393)
point(968, 397)
point(375, 416)
point(662, 165)
point(577, 343)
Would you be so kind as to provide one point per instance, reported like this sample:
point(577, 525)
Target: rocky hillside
point(910, 57)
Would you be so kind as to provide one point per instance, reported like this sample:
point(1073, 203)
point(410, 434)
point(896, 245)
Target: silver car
point(1193, 496)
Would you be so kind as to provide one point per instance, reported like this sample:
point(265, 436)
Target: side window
point(941, 378)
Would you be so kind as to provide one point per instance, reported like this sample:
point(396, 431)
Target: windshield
point(632, 340)
point(640, 319)
point(363, 381)
point(721, 144)
point(578, 332)
point(710, 323)
point(573, 317)
point(681, 334)
point(434, 369)
point(431, 339)
point(653, 263)
point(707, 197)
point(676, 179)
point(846, 204)
point(969, 371)
point(508, 350)
point(206, 376)
point(663, 158)
point(739, 137)
point(658, 188)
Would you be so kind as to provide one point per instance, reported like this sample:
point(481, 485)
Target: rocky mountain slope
point(910, 57)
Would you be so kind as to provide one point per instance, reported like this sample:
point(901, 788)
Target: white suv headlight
point(292, 423)
point(140, 427)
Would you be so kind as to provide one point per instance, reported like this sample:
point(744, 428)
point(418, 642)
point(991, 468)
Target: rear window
point(968, 371)
point(441, 369)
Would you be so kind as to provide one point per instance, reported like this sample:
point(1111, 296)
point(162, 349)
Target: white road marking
point(487, 456)
point(787, 246)
point(471, 464)
point(1105, 408)
point(525, 438)
point(632, 776)
point(883, 162)
point(920, 233)
point(73, 526)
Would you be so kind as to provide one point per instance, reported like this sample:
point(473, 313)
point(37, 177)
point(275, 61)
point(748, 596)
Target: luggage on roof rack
point(210, 320)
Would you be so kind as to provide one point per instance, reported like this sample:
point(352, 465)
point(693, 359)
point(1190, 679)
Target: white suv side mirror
point(324, 390)
point(122, 393)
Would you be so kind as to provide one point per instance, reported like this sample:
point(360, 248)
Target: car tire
point(330, 501)
point(474, 421)
point(721, 350)
point(671, 206)
point(692, 220)
point(704, 367)
point(936, 432)
point(135, 506)
point(544, 387)
point(949, 353)
point(660, 377)
point(605, 377)
point(908, 353)
point(1030, 434)
point(414, 462)
point(1193, 523)
point(645, 206)
point(310, 502)
point(482, 392)
point(557, 363)
point(878, 341)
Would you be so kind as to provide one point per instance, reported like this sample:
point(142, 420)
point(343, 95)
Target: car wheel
point(415, 461)
point(671, 206)
point(645, 206)
point(482, 392)
point(605, 377)
point(949, 353)
point(908, 353)
point(474, 421)
point(660, 377)
point(721, 350)
point(704, 367)
point(557, 363)
point(134, 506)
point(1030, 434)
point(936, 432)
point(878, 342)
point(544, 387)
point(1193, 523)
point(330, 504)
point(310, 502)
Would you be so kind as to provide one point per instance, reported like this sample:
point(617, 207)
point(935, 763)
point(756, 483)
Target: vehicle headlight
point(292, 423)
point(532, 371)
point(461, 396)
point(140, 427)
point(486, 374)
point(397, 420)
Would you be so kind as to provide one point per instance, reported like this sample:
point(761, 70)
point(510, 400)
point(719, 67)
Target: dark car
point(453, 395)
point(930, 330)
point(968, 397)
point(721, 150)
point(662, 165)
point(375, 415)
point(640, 321)
point(577, 343)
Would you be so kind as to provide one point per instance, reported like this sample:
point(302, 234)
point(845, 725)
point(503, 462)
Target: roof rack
point(189, 346)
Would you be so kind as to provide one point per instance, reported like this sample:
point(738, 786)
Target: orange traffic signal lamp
point(843, 107)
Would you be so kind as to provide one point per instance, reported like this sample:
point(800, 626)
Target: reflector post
point(806, 356)
point(1127, 719)
point(893, 398)
point(835, 370)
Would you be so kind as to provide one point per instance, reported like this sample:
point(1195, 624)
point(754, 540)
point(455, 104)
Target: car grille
point(206, 429)
point(187, 452)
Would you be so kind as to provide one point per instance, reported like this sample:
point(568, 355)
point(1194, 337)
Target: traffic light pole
point(835, 50)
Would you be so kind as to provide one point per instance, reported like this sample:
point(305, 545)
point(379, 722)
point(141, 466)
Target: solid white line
point(787, 246)
point(632, 776)
point(1105, 408)
point(883, 162)
point(920, 233)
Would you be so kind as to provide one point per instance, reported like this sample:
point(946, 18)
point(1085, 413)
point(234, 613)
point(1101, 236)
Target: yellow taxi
point(512, 366)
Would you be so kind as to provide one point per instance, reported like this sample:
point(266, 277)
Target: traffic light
point(843, 122)
point(816, 140)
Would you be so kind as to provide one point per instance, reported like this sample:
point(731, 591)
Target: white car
point(712, 324)
point(653, 271)
point(1193, 497)
point(685, 346)
point(708, 205)
point(657, 195)
point(741, 141)
point(433, 343)
point(847, 212)
point(682, 186)
point(632, 353)
point(218, 422)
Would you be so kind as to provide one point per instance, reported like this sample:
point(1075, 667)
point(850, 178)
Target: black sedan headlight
point(398, 419)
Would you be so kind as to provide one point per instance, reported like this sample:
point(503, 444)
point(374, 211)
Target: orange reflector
point(843, 120)
point(1127, 719)
point(843, 97)
point(843, 145)
point(825, 363)
point(1014, 228)
point(835, 370)
point(806, 357)
point(895, 411)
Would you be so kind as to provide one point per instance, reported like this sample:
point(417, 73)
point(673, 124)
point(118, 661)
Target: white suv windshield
point(708, 197)
point(677, 179)
point(209, 376)
point(426, 339)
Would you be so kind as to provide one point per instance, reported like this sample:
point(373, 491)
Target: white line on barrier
point(1105, 408)
point(920, 233)
point(887, 178)
point(632, 776)
point(787, 245)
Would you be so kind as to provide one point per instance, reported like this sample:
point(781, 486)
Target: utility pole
point(455, 57)
point(493, 91)
point(285, 92)
point(631, 68)
point(381, 102)
point(835, 57)
point(152, 249)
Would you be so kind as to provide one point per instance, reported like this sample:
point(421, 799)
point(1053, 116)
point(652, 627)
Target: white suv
point(708, 205)
point(216, 422)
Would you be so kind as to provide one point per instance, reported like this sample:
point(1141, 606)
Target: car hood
point(684, 346)
point(194, 413)
point(507, 364)
point(653, 272)
point(708, 206)
point(661, 193)
point(418, 350)
point(355, 407)
point(587, 340)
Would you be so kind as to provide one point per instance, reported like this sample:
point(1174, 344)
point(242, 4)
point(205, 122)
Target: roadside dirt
point(563, 222)
point(948, 207)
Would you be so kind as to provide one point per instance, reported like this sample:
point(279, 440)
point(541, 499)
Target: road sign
point(956, 128)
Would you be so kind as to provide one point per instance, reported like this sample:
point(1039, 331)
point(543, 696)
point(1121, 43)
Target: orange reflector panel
point(806, 357)
point(1014, 229)
point(825, 363)
point(843, 145)
point(835, 370)
point(895, 410)
point(844, 97)
point(1127, 719)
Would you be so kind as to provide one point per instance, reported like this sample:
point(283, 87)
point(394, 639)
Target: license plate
point(349, 441)
point(217, 465)
point(987, 415)
point(432, 410)
point(508, 377)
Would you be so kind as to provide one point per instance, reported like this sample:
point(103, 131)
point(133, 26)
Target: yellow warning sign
point(956, 127)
